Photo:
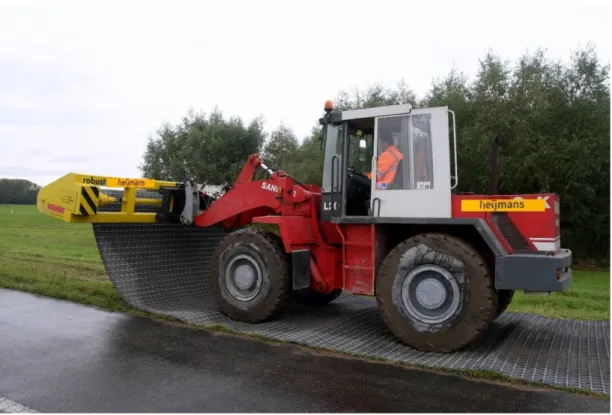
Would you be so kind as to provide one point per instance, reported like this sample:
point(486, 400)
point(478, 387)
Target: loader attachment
point(156, 262)
point(79, 198)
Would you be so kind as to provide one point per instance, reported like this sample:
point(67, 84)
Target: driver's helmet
point(386, 135)
point(388, 128)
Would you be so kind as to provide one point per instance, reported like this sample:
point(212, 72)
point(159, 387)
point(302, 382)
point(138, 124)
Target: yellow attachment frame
point(77, 197)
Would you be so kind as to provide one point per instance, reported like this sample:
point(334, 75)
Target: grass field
point(52, 258)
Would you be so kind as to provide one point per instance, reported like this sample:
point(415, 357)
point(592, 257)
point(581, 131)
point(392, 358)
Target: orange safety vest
point(387, 167)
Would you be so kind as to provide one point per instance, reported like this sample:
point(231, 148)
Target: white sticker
point(270, 187)
point(545, 201)
point(423, 185)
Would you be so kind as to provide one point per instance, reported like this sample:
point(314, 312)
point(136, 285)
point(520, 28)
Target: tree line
point(552, 119)
point(18, 192)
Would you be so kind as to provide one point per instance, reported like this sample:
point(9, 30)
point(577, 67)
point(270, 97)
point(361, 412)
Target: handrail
point(333, 182)
point(374, 203)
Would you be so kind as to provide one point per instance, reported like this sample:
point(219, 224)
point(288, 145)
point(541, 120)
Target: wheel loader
point(441, 265)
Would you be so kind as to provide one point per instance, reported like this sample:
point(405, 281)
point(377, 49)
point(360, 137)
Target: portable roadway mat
point(140, 260)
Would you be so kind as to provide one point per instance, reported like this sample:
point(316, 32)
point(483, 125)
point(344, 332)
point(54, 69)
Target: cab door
point(422, 184)
point(333, 178)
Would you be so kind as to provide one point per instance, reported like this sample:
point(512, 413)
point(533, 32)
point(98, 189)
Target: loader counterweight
point(441, 265)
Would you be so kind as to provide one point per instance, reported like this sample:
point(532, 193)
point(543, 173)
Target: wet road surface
point(62, 357)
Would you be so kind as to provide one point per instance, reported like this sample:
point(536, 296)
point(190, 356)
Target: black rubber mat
point(164, 269)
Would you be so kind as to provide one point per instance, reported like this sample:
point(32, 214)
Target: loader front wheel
point(250, 278)
point(435, 293)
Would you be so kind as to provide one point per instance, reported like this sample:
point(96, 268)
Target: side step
point(358, 255)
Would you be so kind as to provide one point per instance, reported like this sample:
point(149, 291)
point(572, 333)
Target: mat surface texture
point(164, 269)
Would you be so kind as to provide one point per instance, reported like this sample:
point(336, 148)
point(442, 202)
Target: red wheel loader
point(441, 265)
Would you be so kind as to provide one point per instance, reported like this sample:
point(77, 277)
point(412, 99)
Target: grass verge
point(588, 298)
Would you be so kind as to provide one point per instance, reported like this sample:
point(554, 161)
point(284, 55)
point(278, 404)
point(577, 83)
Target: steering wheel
point(354, 172)
point(358, 192)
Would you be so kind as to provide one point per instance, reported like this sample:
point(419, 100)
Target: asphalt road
point(62, 357)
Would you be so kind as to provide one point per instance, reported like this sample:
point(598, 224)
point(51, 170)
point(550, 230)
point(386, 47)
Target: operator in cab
point(389, 158)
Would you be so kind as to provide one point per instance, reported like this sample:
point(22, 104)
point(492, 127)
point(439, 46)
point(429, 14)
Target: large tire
point(310, 297)
point(504, 298)
point(435, 293)
point(250, 276)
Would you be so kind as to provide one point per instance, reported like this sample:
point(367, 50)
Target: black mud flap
point(301, 269)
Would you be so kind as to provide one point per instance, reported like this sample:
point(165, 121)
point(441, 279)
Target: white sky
point(83, 84)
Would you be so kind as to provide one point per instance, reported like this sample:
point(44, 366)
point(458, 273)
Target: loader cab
point(358, 143)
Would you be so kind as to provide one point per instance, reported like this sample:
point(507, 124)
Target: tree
point(207, 149)
point(375, 96)
point(18, 192)
point(281, 148)
point(307, 166)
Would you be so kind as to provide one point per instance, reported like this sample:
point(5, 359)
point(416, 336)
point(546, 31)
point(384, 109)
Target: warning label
point(68, 199)
point(510, 205)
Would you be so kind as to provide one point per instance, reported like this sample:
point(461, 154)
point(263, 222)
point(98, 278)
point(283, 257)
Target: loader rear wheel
point(435, 293)
point(310, 297)
point(250, 277)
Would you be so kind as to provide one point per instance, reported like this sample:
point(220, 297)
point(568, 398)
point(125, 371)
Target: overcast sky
point(83, 84)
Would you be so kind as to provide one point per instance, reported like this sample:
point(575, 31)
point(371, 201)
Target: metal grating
point(163, 269)
point(510, 232)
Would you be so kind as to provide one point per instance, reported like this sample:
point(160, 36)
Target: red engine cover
point(519, 230)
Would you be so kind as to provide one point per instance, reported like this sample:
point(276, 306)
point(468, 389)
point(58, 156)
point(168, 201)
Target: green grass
point(52, 258)
point(60, 260)
point(588, 298)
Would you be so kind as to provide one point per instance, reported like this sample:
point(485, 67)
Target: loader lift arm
point(278, 195)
